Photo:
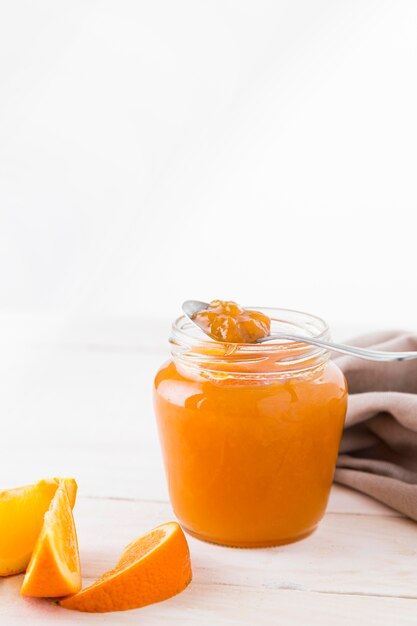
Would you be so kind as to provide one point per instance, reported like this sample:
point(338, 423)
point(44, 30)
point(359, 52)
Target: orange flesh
point(229, 322)
point(22, 512)
point(153, 568)
point(250, 461)
point(54, 567)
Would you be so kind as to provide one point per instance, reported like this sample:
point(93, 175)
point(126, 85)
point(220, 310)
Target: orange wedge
point(153, 568)
point(54, 568)
point(21, 517)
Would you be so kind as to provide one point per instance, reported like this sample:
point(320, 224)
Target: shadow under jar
point(250, 432)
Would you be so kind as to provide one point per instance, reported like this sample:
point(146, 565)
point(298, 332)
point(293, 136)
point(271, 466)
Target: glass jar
point(250, 432)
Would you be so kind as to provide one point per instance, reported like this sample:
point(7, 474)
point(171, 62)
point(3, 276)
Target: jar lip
point(298, 322)
point(192, 349)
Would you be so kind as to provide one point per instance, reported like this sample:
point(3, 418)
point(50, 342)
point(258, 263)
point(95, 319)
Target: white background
point(155, 151)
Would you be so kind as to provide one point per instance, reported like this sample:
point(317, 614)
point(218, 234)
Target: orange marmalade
point(250, 432)
point(227, 321)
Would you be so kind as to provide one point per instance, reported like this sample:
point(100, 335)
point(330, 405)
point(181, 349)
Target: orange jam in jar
point(250, 432)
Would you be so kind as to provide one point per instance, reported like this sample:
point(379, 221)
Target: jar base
point(270, 543)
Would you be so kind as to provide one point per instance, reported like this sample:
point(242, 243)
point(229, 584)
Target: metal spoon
point(191, 307)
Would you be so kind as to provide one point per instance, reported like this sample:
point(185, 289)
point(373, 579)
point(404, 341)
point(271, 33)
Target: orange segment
point(21, 517)
point(54, 569)
point(153, 568)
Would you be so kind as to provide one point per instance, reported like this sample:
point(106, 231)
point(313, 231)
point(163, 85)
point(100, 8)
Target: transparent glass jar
point(250, 432)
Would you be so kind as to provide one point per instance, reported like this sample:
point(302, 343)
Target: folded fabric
point(378, 453)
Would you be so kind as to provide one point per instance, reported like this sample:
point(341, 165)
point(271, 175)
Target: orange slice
point(21, 517)
point(153, 568)
point(54, 568)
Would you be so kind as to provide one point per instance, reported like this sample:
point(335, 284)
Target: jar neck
point(196, 354)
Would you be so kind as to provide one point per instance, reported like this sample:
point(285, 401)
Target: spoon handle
point(361, 353)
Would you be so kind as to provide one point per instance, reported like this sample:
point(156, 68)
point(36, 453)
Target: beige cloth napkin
point(378, 453)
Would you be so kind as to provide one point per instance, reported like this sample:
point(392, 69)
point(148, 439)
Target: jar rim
point(182, 323)
point(190, 344)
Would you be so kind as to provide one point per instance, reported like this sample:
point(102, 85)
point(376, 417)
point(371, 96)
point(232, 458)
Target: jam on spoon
point(227, 321)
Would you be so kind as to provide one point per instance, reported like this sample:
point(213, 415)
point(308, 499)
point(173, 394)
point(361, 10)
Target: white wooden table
point(75, 400)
